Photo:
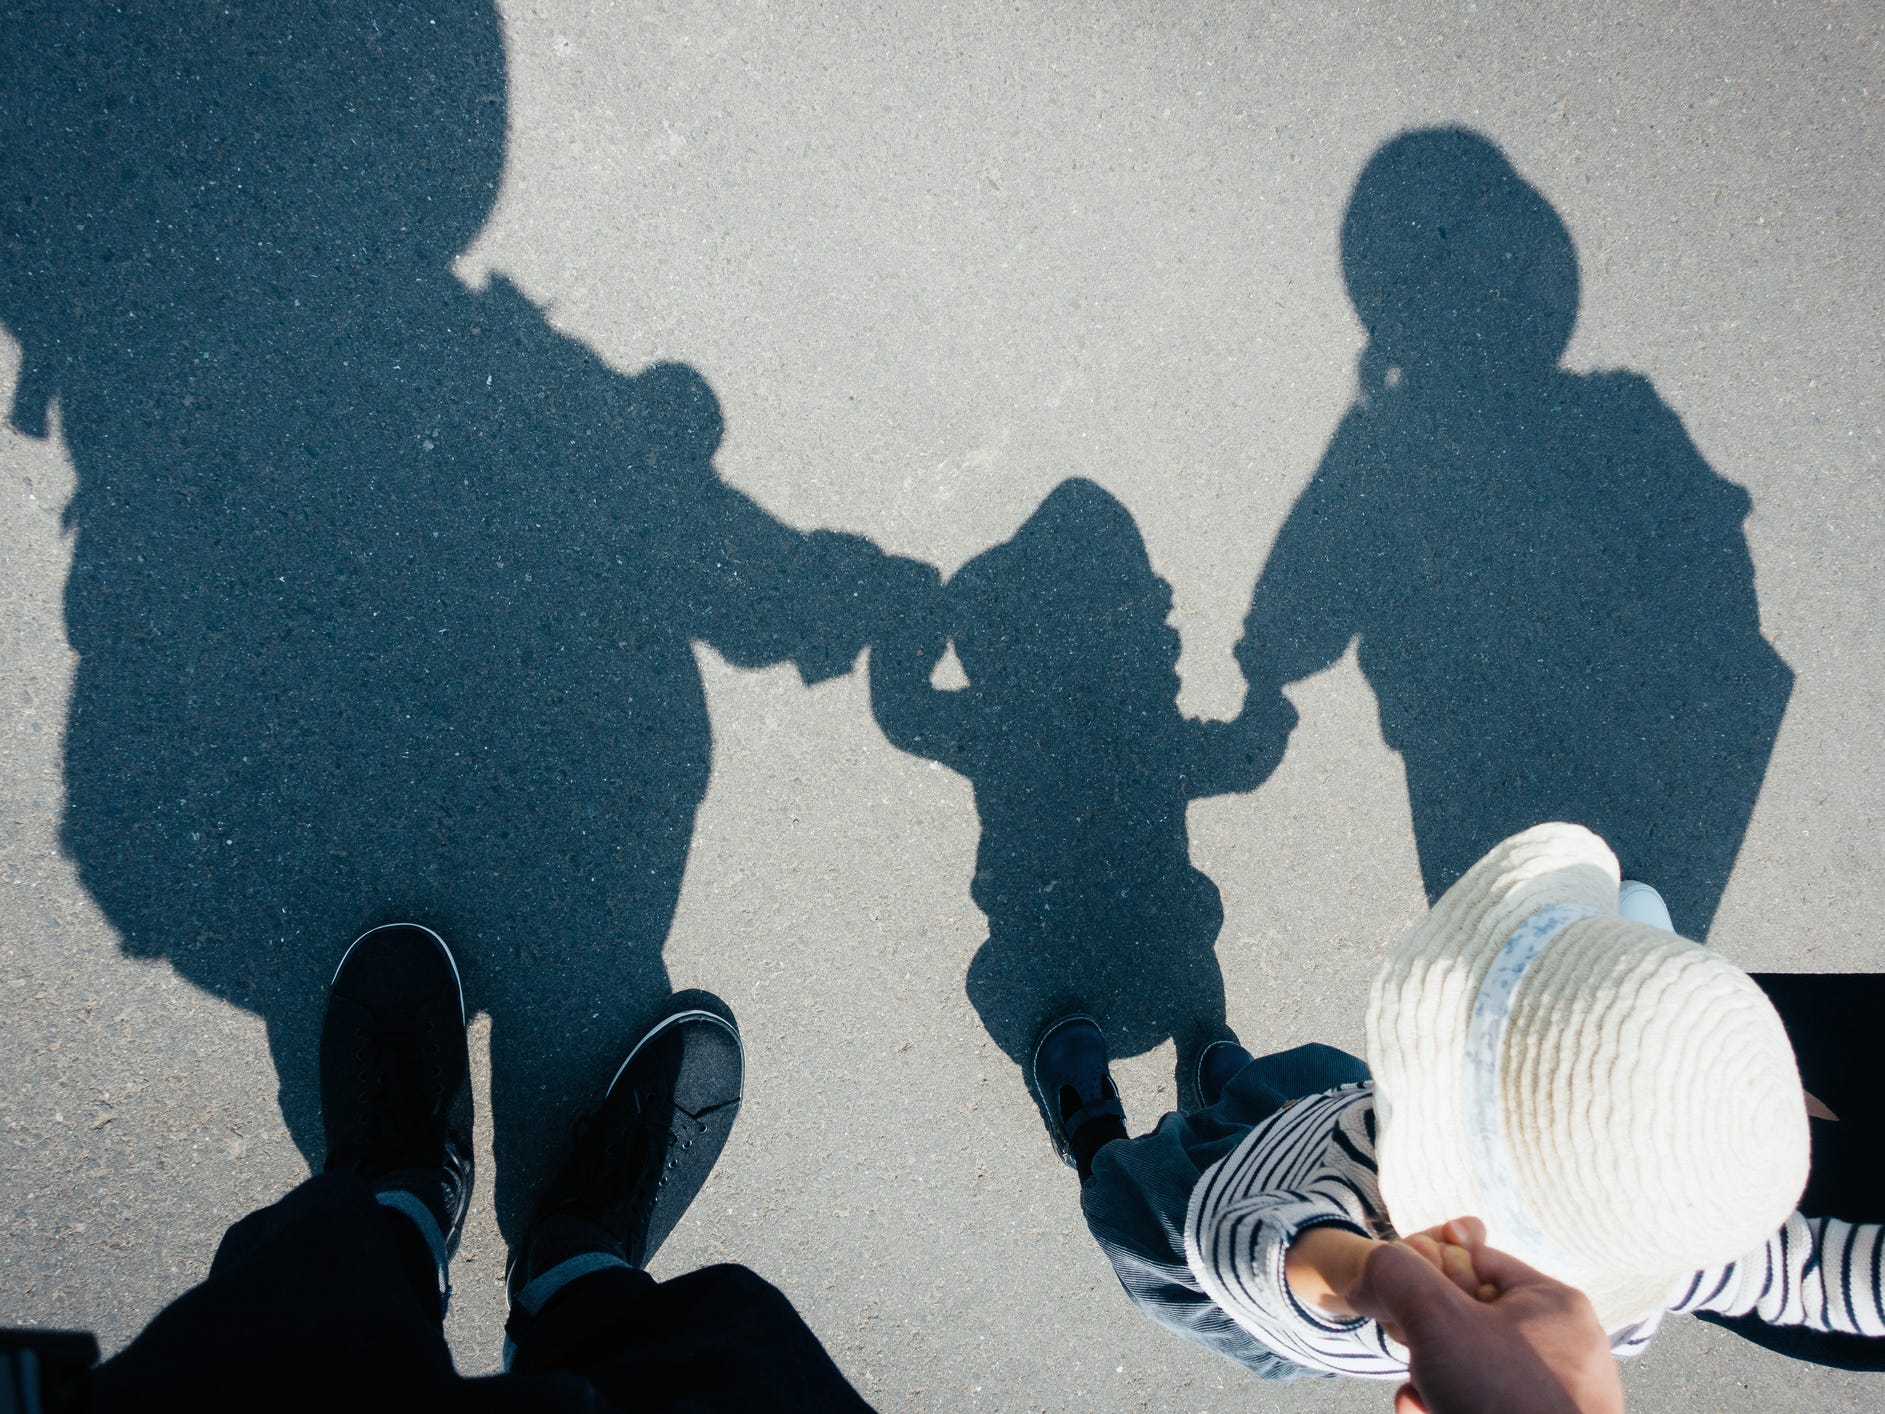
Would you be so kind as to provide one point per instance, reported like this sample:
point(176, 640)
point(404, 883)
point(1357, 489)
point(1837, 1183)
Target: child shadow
point(1082, 765)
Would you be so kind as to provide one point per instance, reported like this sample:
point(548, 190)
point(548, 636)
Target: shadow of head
point(1071, 601)
point(149, 151)
point(380, 127)
point(1455, 262)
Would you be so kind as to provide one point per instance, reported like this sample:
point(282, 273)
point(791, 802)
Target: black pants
point(328, 1300)
point(1834, 1021)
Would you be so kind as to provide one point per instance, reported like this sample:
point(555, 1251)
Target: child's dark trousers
point(1135, 1203)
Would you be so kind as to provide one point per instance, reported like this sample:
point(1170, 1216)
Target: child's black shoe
point(1076, 1092)
point(1218, 1063)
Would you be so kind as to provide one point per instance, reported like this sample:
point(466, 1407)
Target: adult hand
point(1535, 1346)
point(910, 592)
point(1324, 1263)
point(855, 594)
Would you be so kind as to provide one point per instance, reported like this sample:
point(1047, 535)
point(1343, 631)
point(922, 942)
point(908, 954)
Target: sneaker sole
point(457, 982)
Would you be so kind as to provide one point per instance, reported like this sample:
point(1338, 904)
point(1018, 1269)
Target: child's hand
point(1449, 1249)
point(1324, 1263)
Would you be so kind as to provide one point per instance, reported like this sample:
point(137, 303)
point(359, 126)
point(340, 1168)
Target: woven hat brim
point(1418, 1017)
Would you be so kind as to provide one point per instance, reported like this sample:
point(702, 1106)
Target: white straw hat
point(1620, 1106)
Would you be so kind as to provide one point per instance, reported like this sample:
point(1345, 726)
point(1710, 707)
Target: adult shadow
point(384, 592)
point(1083, 766)
point(1551, 588)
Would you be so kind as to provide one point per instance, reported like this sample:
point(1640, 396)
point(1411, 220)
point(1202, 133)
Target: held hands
point(1323, 1263)
point(914, 608)
point(1450, 1248)
point(868, 595)
point(909, 626)
point(1484, 1331)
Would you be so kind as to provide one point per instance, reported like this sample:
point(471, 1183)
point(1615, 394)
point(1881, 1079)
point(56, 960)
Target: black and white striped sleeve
point(1312, 1165)
point(1816, 1272)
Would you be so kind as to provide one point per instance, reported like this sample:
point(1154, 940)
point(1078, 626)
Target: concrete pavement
point(932, 262)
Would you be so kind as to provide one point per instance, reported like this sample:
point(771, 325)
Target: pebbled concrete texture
point(933, 261)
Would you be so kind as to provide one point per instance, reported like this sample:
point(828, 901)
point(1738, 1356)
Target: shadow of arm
point(774, 594)
point(1228, 758)
point(1306, 607)
point(914, 715)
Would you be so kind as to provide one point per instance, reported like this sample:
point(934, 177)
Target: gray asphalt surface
point(934, 260)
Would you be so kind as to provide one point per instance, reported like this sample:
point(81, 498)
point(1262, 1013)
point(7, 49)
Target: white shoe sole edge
point(694, 1014)
point(450, 961)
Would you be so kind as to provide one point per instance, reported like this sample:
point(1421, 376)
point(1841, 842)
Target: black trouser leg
point(1094, 1136)
point(720, 1337)
point(328, 1300)
point(1832, 1019)
point(324, 1298)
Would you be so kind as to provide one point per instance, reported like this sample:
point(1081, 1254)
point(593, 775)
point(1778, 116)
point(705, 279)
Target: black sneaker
point(395, 1091)
point(637, 1160)
point(1218, 1063)
point(1076, 1092)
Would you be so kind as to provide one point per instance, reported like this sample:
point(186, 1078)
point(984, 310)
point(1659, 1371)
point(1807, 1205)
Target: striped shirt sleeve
point(1310, 1165)
point(1821, 1273)
point(1313, 1163)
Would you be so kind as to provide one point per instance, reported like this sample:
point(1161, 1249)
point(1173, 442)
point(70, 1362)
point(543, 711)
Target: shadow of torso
point(1555, 607)
point(1084, 870)
point(1551, 588)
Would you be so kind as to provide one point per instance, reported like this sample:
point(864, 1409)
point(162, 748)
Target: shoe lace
point(617, 1158)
